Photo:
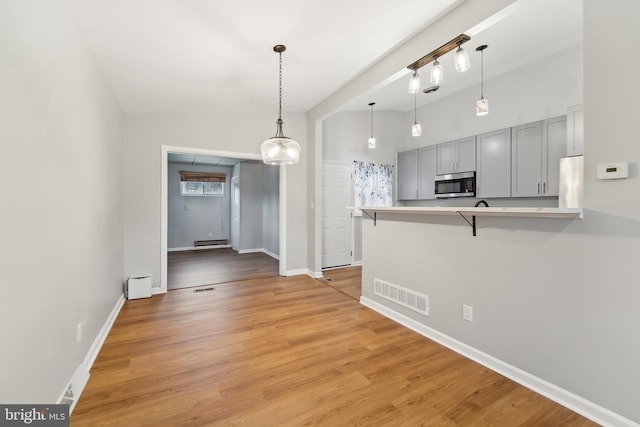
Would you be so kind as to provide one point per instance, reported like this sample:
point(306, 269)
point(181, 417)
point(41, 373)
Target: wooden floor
point(347, 280)
point(290, 351)
point(211, 266)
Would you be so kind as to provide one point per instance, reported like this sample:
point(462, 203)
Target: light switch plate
point(467, 313)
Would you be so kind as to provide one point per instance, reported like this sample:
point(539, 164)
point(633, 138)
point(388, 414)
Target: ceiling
point(176, 56)
point(214, 55)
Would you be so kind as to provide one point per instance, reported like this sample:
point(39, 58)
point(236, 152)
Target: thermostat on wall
point(613, 170)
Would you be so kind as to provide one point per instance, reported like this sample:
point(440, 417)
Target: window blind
point(202, 176)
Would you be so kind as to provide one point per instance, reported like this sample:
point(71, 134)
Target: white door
point(336, 219)
point(235, 213)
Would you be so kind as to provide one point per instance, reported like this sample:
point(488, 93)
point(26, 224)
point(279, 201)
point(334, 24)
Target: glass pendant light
point(482, 105)
point(280, 150)
point(436, 73)
point(462, 60)
point(414, 83)
point(372, 140)
point(416, 129)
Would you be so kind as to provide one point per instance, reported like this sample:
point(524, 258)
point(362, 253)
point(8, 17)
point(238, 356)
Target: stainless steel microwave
point(456, 185)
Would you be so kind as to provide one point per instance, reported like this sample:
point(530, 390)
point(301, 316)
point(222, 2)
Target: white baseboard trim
point(356, 263)
point(81, 375)
point(271, 254)
point(102, 335)
point(315, 274)
point(197, 248)
point(584, 407)
point(297, 272)
point(250, 251)
point(158, 291)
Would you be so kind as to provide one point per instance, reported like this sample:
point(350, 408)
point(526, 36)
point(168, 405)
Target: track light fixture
point(462, 60)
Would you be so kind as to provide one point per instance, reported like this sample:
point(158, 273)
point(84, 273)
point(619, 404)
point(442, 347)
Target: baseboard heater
point(210, 242)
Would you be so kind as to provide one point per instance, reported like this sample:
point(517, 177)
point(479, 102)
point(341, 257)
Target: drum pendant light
point(280, 150)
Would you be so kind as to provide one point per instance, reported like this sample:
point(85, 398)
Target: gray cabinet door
point(466, 148)
point(493, 177)
point(426, 172)
point(446, 157)
point(457, 156)
point(554, 147)
point(408, 175)
point(526, 158)
point(575, 131)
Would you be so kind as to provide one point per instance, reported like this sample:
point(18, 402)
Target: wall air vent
point(411, 299)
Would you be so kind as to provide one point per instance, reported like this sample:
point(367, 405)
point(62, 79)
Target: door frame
point(164, 209)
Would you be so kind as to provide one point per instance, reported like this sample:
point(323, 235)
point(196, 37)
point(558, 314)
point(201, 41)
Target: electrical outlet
point(78, 332)
point(467, 313)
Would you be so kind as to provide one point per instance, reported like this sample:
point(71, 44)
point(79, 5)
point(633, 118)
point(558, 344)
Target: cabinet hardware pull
point(544, 188)
point(538, 188)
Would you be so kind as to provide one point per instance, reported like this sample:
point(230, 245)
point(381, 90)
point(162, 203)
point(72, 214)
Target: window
point(202, 184)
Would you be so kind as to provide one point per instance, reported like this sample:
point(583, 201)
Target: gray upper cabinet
point(493, 177)
point(456, 156)
point(554, 147)
point(407, 175)
point(536, 149)
point(426, 172)
point(575, 131)
point(526, 156)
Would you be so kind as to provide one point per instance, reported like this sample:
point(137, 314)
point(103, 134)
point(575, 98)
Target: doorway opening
point(189, 245)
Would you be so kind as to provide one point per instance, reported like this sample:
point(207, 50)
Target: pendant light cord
point(415, 108)
point(280, 89)
point(482, 74)
point(371, 105)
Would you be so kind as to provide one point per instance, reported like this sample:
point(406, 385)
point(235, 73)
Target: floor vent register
point(406, 297)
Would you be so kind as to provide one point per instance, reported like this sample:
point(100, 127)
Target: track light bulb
point(414, 83)
point(462, 60)
point(436, 73)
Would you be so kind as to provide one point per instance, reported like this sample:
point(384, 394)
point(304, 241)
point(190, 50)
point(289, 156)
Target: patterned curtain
point(373, 184)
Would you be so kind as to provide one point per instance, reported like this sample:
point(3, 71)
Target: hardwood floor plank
point(290, 351)
point(345, 280)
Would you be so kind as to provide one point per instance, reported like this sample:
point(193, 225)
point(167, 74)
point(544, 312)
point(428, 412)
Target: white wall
point(251, 200)
point(270, 209)
point(144, 136)
point(345, 134)
point(192, 218)
point(61, 252)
